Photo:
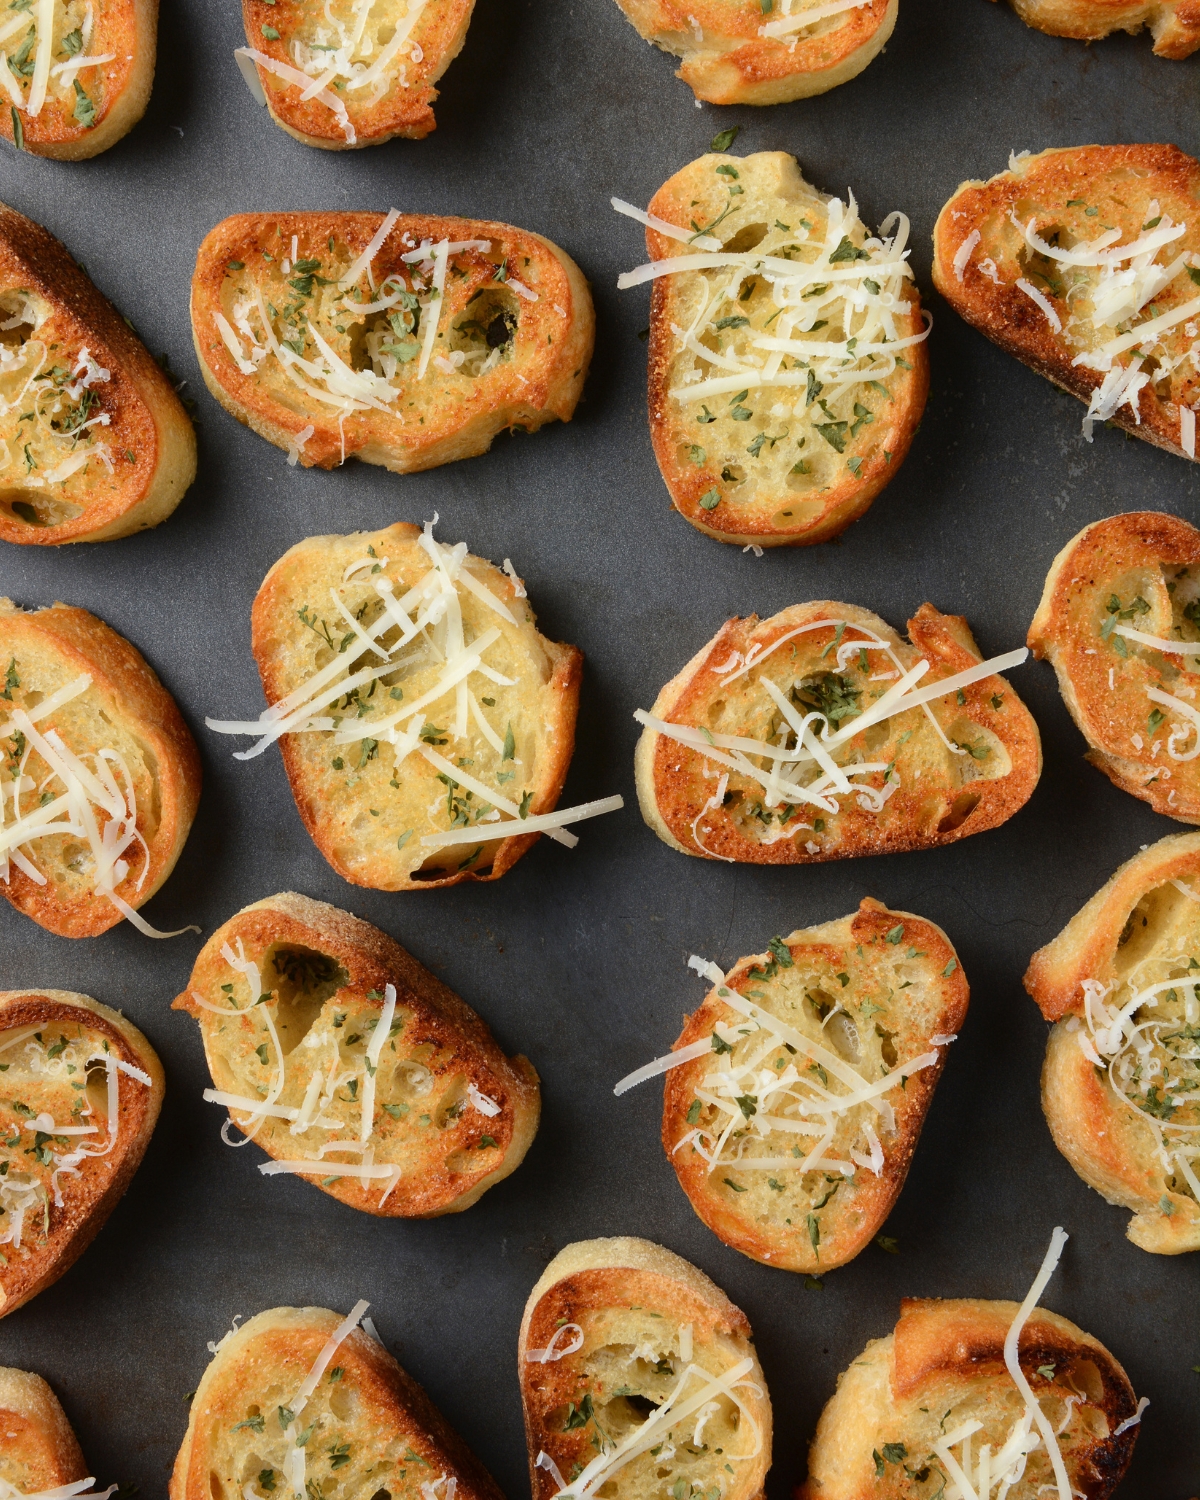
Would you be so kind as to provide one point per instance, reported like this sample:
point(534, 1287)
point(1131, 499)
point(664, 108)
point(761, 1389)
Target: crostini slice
point(81, 1094)
point(99, 775)
point(796, 1093)
point(1121, 1080)
point(94, 443)
point(981, 1398)
point(750, 53)
point(632, 1363)
point(426, 724)
point(325, 1039)
point(821, 734)
point(1084, 263)
point(353, 72)
point(787, 366)
point(298, 1400)
point(1174, 24)
point(39, 1451)
point(403, 340)
point(1119, 620)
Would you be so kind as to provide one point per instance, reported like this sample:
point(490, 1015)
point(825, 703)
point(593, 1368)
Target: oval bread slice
point(1174, 24)
point(39, 1451)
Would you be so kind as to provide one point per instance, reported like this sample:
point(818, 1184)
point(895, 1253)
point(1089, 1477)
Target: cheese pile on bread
point(1174, 24)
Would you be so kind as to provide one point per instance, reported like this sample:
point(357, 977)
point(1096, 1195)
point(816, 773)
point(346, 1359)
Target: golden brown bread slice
point(93, 441)
point(367, 69)
point(1122, 1070)
point(1120, 605)
point(38, 1449)
point(926, 770)
point(796, 1093)
point(1084, 263)
point(752, 53)
point(404, 340)
point(370, 1427)
point(633, 1363)
point(80, 1091)
point(90, 743)
point(1174, 24)
point(787, 368)
point(356, 1042)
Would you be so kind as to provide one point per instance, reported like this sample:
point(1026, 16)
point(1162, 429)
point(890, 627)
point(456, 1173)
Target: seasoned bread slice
point(1084, 263)
point(1118, 614)
point(1120, 1078)
point(934, 757)
point(783, 1112)
point(38, 1449)
point(744, 54)
point(356, 1049)
point(93, 441)
point(77, 76)
point(349, 74)
point(787, 369)
point(370, 1427)
point(404, 340)
point(79, 1100)
point(1174, 24)
point(638, 1378)
point(90, 743)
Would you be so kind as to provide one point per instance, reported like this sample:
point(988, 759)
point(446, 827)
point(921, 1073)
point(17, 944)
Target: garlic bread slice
point(39, 1451)
point(821, 734)
point(1084, 263)
point(787, 369)
point(639, 1376)
point(407, 340)
point(1122, 1069)
point(94, 443)
point(1174, 24)
point(326, 1040)
point(79, 1098)
point(300, 1401)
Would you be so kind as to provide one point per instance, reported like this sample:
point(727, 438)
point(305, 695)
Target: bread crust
point(1174, 24)
point(39, 1451)
point(727, 60)
point(453, 1166)
point(932, 806)
point(438, 419)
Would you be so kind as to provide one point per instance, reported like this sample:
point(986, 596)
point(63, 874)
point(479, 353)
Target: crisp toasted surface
point(1141, 572)
point(636, 1308)
point(1069, 199)
point(790, 461)
point(536, 352)
point(48, 1221)
point(126, 712)
point(1114, 1110)
point(382, 71)
point(1174, 24)
point(727, 59)
point(939, 795)
point(373, 1427)
point(38, 1450)
point(90, 448)
point(943, 1366)
point(868, 993)
point(326, 974)
point(336, 784)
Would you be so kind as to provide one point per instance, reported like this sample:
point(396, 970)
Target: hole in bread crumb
point(746, 239)
point(1085, 1379)
point(960, 810)
point(303, 979)
point(216, 1487)
point(715, 710)
point(887, 1045)
point(34, 509)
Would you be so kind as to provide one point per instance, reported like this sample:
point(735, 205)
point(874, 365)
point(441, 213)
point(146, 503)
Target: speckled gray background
point(578, 958)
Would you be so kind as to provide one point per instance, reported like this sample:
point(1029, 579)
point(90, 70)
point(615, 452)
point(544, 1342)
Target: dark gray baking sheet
point(578, 959)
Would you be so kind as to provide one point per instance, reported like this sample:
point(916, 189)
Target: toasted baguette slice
point(38, 1449)
point(446, 1114)
point(620, 1336)
point(1115, 589)
point(926, 778)
point(998, 259)
point(93, 441)
point(376, 70)
point(99, 749)
point(284, 348)
point(1111, 1108)
point(68, 1060)
point(1174, 24)
point(847, 1003)
point(778, 460)
point(371, 1427)
point(741, 54)
point(943, 1369)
